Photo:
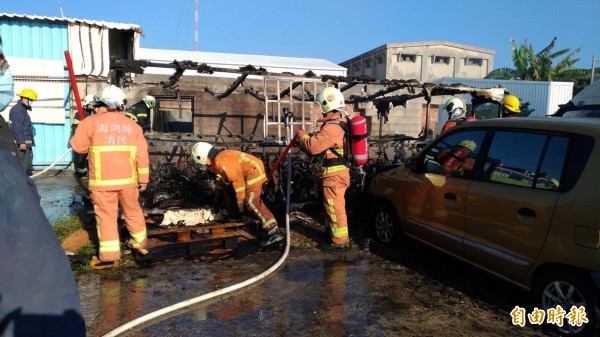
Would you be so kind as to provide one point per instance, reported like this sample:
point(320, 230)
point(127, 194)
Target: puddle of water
point(60, 202)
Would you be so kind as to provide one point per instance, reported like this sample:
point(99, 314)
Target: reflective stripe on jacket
point(240, 169)
point(117, 150)
point(330, 136)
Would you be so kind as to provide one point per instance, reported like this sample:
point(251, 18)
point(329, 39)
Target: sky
point(337, 30)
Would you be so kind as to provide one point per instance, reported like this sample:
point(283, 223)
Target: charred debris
point(176, 182)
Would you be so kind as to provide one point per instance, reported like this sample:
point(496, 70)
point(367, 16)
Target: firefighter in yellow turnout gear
point(333, 172)
point(119, 169)
point(240, 176)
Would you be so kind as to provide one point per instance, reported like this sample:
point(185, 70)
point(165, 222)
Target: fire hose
point(177, 306)
point(79, 109)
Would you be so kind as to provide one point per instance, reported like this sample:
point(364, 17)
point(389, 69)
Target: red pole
point(287, 148)
point(74, 85)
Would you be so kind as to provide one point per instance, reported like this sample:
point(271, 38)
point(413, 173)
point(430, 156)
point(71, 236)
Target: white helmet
point(113, 97)
point(200, 152)
point(329, 99)
point(149, 100)
point(89, 99)
point(455, 108)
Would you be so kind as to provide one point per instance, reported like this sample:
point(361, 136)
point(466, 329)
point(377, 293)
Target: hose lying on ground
point(51, 165)
point(158, 313)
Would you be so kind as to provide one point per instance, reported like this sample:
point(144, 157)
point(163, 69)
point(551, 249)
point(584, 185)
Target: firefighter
point(511, 106)
point(118, 171)
point(334, 175)
point(456, 113)
point(22, 129)
point(240, 178)
point(80, 160)
point(140, 111)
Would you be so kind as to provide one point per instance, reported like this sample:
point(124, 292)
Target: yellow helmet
point(469, 144)
point(28, 93)
point(512, 103)
point(330, 99)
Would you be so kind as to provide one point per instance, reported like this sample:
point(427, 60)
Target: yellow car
point(516, 197)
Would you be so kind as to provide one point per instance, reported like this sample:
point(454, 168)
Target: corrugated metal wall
point(543, 96)
point(42, 40)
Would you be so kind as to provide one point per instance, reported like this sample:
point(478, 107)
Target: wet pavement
point(408, 290)
point(61, 193)
point(315, 293)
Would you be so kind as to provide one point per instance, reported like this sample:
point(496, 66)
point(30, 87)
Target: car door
point(509, 210)
point(435, 198)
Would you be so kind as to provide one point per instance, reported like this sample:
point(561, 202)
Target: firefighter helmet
point(512, 103)
point(89, 99)
point(149, 100)
point(330, 99)
point(200, 152)
point(468, 144)
point(455, 108)
point(29, 94)
point(113, 97)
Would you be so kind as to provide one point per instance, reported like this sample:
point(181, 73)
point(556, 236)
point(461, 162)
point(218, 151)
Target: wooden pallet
point(213, 238)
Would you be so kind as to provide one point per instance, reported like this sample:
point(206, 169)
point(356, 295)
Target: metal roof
point(226, 59)
point(110, 25)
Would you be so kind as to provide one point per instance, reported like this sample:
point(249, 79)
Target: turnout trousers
point(253, 203)
point(106, 207)
point(334, 202)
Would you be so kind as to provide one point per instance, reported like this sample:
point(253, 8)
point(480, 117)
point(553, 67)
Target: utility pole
point(61, 11)
point(593, 68)
point(196, 25)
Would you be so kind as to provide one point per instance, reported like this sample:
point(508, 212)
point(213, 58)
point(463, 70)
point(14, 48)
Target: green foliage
point(525, 109)
point(88, 249)
point(546, 65)
point(65, 226)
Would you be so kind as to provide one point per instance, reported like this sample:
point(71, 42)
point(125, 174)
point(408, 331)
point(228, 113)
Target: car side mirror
point(412, 163)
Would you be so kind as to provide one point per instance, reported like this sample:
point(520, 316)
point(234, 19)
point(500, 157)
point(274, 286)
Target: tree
point(532, 66)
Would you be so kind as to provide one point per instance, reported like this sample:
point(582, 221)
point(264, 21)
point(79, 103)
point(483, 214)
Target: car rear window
point(535, 159)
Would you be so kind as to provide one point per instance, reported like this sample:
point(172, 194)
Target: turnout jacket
point(138, 112)
point(330, 137)
point(239, 169)
point(22, 129)
point(117, 150)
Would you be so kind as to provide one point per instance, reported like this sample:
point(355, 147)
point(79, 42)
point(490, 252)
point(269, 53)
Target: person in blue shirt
point(22, 129)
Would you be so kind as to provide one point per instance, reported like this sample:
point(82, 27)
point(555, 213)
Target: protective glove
point(240, 205)
point(299, 133)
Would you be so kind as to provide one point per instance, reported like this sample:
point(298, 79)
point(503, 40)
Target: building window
point(407, 58)
point(356, 66)
point(378, 59)
point(441, 59)
point(174, 115)
point(367, 63)
point(474, 61)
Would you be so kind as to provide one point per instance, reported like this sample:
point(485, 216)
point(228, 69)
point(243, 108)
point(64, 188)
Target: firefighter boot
point(275, 235)
point(97, 264)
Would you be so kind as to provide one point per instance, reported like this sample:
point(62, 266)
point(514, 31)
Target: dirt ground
point(369, 290)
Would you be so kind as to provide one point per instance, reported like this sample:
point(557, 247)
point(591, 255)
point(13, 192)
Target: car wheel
point(386, 225)
point(568, 289)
